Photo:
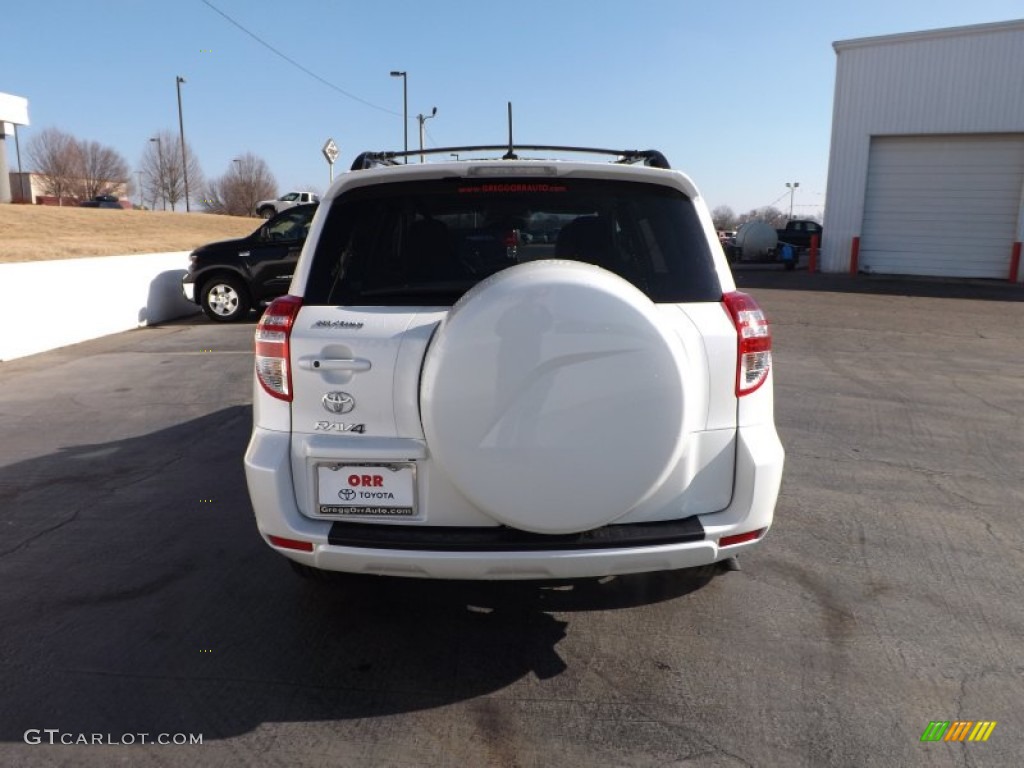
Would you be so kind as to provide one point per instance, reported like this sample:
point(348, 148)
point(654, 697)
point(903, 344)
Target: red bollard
point(1015, 263)
point(854, 255)
point(812, 257)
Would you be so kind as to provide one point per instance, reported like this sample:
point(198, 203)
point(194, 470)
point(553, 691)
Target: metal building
point(927, 160)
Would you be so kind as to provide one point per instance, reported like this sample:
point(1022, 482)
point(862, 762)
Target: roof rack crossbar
point(650, 157)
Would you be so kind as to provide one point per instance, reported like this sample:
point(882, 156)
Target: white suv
point(512, 369)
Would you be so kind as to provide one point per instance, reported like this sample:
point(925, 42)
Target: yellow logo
point(958, 730)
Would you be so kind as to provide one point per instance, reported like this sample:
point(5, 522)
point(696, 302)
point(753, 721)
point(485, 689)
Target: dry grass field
point(36, 232)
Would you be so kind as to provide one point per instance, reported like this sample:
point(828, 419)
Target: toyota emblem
point(339, 402)
point(347, 494)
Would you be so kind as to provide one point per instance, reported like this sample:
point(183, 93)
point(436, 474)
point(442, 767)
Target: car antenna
point(511, 154)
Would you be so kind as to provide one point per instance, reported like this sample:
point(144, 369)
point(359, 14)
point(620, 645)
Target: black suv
point(229, 277)
point(101, 201)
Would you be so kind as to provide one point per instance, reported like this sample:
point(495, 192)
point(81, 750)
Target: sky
point(738, 95)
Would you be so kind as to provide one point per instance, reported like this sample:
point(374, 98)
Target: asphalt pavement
point(138, 598)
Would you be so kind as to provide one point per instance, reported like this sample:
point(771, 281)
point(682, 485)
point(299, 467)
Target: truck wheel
point(224, 299)
point(267, 213)
point(554, 396)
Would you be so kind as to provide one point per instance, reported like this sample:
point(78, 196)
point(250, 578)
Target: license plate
point(370, 490)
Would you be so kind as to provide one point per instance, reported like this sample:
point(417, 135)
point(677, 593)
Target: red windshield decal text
point(490, 189)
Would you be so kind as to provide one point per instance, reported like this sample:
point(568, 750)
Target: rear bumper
point(485, 554)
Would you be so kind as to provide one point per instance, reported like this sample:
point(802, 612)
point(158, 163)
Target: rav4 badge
point(336, 426)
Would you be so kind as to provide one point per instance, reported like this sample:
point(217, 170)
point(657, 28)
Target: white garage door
point(942, 205)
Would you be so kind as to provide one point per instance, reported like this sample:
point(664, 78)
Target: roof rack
point(649, 157)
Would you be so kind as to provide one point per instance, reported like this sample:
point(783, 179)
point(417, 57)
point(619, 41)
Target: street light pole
point(236, 185)
point(405, 106)
point(160, 171)
point(181, 127)
point(792, 188)
point(423, 118)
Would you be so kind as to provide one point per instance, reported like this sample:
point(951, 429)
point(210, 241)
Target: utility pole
point(181, 127)
point(792, 185)
point(21, 176)
point(423, 119)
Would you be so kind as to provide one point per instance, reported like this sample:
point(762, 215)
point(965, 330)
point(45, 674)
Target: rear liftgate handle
point(352, 364)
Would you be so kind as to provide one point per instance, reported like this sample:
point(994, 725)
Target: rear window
point(427, 243)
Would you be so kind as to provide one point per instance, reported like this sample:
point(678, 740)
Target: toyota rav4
point(512, 368)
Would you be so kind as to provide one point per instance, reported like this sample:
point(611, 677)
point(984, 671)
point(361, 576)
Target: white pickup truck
point(270, 208)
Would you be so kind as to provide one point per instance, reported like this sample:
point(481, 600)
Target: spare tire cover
point(552, 396)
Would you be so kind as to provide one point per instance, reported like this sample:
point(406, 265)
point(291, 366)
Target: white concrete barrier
point(50, 304)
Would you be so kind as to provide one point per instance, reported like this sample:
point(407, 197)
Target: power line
point(296, 64)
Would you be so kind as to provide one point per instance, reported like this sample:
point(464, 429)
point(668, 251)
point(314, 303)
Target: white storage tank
point(755, 240)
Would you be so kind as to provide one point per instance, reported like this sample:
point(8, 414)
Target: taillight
point(272, 346)
point(741, 538)
point(754, 347)
point(281, 541)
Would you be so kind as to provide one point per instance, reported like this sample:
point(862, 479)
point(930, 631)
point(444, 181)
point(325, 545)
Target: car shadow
point(164, 299)
point(140, 598)
point(198, 318)
point(883, 285)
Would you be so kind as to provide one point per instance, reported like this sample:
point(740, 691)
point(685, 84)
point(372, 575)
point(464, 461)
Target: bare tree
point(99, 169)
point(768, 214)
point(245, 183)
point(724, 218)
point(163, 177)
point(54, 156)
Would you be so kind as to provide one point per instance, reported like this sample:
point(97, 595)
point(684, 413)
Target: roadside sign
point(330, 150)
